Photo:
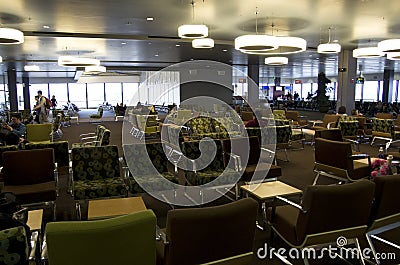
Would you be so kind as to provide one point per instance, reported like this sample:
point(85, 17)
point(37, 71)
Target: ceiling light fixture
point(1, 59)
point(329, 47)
point(95, 69)
point(31, 68)
point(11, 36)
point(203, 43)
point(368, 52)
point(393, 55)
point(286, 45)
point(392, 45)
point(255, 43)
point(77, 61)
point(193, 31)
point(276, 61)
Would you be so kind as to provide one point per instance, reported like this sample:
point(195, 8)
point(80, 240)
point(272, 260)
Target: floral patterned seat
point(96, 172)
point(213, 171)
point(384, 129)
point(14, 246)
point(138, 158)
point(349, 126)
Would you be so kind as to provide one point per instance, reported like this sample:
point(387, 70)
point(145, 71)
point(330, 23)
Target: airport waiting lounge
point(199, 132)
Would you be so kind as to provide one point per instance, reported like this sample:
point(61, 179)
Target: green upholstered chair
point(127, 239)
point(97, 116)
point(318, 221)
point(14, 246)
point(61, 155)
point(208, 234)
point(201, 127)
point(96, 172)
point(100, 137)
point(214, 170)
point(146, 162)
point(384, 129)
point(147, 125)
point(279, 114)
point(39, 133)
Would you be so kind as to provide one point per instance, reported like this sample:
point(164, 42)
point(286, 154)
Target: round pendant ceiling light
point(95, 69)
point(11, 36)
point(393, 55)
point(368, 52)
point(392, 45)
point(286, 45)
point(193, 31)
point(276, 61)
point(77, 62)
point(254, 43)
point(329, 48)
point(203, 43)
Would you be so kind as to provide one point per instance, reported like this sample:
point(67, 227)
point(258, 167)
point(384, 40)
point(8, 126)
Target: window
point(95, 94)
point(34, 88)
point(370, 91)
point(77, 94)
point(113, 93)
point(60, 92)
point(306, 90)
point(130, 93)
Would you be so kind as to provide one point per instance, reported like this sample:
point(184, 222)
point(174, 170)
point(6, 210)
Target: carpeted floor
point(298, 172)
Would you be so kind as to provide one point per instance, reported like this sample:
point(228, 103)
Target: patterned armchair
point(14, 246)
point(212, 171)
point(100, 137)
point(201, 127)
point(138, 157)
point(349, 127)
point(97, 116)
point(384, 129)
point(96, 172)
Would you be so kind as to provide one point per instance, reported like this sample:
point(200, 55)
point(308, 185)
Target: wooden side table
point(99, 209)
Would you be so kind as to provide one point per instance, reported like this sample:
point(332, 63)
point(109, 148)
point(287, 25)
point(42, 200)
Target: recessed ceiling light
point(46, 27)
point(224, 50)
point(156, 55)
point(77, 61)
point(123, 43)
point(177, 45)
point(149, 18)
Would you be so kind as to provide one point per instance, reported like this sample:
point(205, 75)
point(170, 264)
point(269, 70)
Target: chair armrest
point(291, 203)
point(89, 138)
point(331, 124)
point(34, 244)
point(43, 253)
point(351, 141)
point(160, 235)
point(360, 156)
point(56, 179)
point(70, 181)
point(86, 135)
point(92, 143)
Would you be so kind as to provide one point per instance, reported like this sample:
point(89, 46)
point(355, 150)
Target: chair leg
point(371, 246)
point(373, 140)
point(316, 179)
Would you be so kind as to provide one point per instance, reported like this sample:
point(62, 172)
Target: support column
point(25, 84)
point(388, 75)
point(12, 89)
point(346, 81)
point(254, 74)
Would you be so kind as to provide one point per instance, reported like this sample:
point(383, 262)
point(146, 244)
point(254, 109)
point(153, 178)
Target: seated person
point(13, 133)
point(342, 110)
point(355, 112)
point(254, 122)
point(120, 109)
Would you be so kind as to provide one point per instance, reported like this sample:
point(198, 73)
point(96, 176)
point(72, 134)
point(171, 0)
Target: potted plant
point(321, 97)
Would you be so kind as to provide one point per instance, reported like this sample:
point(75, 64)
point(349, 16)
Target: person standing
point(53, 102)
point(41, 109)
